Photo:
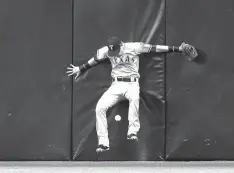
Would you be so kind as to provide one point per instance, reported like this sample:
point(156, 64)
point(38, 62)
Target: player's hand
point(181, 47)
point(188, 51)
point(73, 70)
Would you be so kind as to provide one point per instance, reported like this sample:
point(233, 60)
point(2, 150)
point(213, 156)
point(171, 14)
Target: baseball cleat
point(102, 148)
point(132, 137)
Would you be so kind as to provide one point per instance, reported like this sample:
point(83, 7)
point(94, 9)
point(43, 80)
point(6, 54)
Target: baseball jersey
point(126, 63)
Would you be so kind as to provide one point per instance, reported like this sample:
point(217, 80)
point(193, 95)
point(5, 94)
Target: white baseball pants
point(118, 91)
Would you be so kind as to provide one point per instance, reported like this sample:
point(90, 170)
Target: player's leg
point(133, 95)
point(108, 99)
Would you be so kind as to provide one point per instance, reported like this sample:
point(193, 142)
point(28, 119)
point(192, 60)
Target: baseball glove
point(189, 51)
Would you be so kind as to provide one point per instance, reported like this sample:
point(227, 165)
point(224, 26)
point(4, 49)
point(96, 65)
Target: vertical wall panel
point(133, 20)
point(35, 93)
point(200, 95)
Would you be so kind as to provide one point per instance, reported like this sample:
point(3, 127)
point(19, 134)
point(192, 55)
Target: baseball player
point(124, 58)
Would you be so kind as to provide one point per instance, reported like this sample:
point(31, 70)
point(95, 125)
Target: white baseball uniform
point(126, 64)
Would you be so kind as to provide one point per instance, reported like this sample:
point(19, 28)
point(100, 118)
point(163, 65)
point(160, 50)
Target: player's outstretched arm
point(165, 48)
point(186, 49)
point(160, 48)
point(78, 70)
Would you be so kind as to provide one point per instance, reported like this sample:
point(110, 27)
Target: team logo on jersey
point(124, 59)
point(111, 47)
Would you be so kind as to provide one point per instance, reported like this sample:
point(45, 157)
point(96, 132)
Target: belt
point(126, 79)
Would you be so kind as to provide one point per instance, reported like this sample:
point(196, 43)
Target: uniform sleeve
point(101, 54)
point(140, 47)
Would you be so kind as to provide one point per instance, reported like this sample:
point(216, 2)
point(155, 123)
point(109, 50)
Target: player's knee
point(134, 100)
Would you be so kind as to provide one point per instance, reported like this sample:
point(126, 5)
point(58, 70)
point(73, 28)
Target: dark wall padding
point(35, 95)
point(200, 95)
point(133, 20)
point(45, 115)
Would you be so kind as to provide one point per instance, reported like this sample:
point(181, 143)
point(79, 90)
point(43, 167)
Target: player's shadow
point(202, 57)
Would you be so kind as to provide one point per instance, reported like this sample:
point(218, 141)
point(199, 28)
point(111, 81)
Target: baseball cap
point(113, 45)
